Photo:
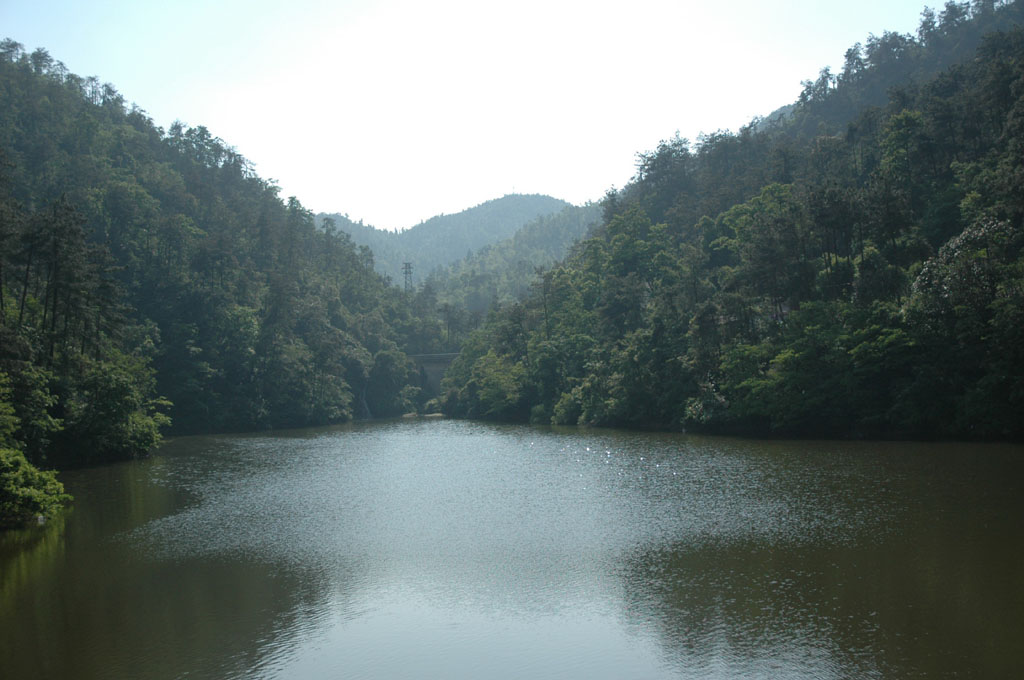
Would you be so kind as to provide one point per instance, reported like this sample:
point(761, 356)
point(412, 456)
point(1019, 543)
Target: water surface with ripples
point(446, 549)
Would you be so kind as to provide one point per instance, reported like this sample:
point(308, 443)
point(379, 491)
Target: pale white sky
point(395, 111)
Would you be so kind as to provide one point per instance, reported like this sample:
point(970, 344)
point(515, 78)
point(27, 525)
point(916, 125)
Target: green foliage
point(109, 415)
point(784, 280)
point(8, 421)
point(773, 233)
point(26, 492)
point(496, 389)
point(445, 239)
point(387, 394)
point(34, 405)
point(502, 273)
point(851, 266)
point(155, 262)
point(964, 306)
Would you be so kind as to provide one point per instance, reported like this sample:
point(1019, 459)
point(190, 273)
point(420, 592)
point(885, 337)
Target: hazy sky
point(395, 111)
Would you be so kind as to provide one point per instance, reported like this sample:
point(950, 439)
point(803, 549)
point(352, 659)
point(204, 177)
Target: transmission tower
point(407, 270)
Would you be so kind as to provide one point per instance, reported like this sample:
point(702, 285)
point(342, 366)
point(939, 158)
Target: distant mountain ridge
point(445, 239)
point(502, 272)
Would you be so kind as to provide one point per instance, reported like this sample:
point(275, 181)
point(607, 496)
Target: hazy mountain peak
point(444, 239)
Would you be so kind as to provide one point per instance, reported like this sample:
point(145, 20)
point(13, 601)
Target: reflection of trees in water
point(741, 608)
point(26, 554)
point(204, 618)
point(95, 602)
point(894, 609)
point(789, 560)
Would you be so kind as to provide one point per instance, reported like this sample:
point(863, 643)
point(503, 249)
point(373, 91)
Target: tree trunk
point(24, 287)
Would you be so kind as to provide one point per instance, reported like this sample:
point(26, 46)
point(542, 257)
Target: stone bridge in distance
point(434, 366)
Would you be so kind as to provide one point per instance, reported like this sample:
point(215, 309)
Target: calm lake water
point(444, 549)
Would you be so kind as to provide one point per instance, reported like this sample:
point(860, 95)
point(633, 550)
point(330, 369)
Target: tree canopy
point(849, 267)
point(149, 279)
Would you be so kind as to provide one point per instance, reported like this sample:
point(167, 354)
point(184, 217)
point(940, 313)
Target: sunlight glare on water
point(438, 549)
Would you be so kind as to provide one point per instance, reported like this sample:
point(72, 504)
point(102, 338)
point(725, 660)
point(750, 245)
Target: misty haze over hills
point(502, 273)
point(445, 239)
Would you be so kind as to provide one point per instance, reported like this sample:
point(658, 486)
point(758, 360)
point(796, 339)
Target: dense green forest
point(851, 266)
point(149, 278)
point(498, 273)
point(501, 273)
point(444, 239)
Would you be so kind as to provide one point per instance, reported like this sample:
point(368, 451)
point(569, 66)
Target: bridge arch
point(434, 367)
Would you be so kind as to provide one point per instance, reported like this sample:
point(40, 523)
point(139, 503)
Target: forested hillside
point(849, 266)
point(444, 239)
point(853, 268)
point(148, 275)
point(502, 273)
